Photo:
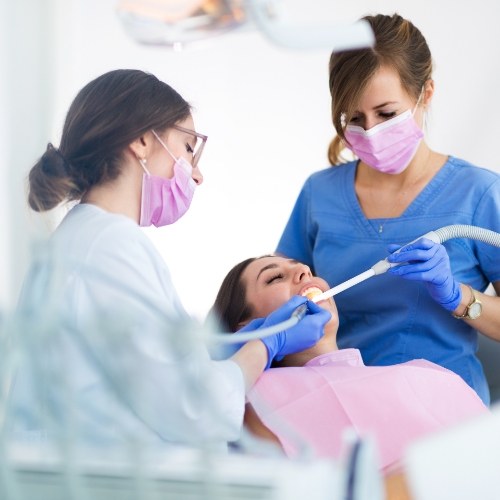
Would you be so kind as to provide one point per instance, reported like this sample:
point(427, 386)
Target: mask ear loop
point(164, 145)
point(143, 162)
point(418, 100)
point(424, 117)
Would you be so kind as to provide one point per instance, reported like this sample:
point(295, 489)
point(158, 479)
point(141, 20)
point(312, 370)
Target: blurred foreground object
point(460, 463)
point(175, 23)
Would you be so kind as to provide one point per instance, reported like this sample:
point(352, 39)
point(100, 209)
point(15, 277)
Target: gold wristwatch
point(473, 309)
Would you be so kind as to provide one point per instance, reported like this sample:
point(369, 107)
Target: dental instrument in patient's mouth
point(343, 286)
point(241, 338)
point(438, 236)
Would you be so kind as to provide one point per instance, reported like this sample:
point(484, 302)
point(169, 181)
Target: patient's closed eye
point(274, 278)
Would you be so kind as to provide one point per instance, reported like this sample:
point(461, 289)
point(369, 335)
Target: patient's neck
point(327, 344)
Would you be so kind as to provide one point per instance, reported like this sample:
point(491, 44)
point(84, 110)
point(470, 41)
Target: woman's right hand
point(303, 335)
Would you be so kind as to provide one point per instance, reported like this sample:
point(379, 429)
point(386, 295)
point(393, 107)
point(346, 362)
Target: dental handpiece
point(297, 315)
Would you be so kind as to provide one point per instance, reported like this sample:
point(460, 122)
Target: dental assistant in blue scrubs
point(349, 215)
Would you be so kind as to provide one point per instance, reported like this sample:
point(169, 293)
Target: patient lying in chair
point(313, 396)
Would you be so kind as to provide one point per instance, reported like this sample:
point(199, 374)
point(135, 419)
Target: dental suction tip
point(344, 286)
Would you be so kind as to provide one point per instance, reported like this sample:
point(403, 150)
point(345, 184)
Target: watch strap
point(466, 311)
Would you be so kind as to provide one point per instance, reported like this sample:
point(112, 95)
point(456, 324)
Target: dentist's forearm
point(252, 359)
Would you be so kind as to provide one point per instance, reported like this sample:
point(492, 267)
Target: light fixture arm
point(338, 36)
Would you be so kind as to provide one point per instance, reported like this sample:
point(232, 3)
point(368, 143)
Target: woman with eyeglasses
point(129, 157)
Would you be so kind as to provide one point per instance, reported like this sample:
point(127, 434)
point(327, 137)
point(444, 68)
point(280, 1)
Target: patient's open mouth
point(311, 292)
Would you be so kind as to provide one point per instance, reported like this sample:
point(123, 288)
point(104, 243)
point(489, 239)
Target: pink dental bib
point(396, 404)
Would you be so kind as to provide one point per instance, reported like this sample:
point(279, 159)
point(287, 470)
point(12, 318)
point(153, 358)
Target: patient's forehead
point(274, 259)
point(263, 262)
point(266, 263)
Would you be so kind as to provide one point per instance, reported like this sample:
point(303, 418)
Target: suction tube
point(444, 234)
point(438, 236)
point(464, 231)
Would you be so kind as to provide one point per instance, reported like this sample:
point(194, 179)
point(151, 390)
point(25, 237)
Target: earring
point(143, 163)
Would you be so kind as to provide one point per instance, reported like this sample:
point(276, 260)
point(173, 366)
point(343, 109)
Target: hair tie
point(58, 152)
point(49, 167)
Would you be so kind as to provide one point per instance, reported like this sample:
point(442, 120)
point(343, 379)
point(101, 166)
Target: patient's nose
point(302, 273)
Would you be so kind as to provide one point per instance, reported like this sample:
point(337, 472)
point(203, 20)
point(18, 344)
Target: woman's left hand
point(424, 260)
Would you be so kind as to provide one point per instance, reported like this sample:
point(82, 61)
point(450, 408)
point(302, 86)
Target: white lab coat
point(112, 363)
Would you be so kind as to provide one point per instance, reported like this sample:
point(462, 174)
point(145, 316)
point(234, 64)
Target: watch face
point(475, 310)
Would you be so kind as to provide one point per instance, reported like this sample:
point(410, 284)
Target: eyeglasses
point(198, 147)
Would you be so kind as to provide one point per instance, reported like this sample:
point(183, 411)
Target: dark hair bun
point(52, 163)
point(49, 180)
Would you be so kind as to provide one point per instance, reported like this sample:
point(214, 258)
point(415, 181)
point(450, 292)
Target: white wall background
point(266, 110)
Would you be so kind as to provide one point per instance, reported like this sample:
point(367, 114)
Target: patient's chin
point(333, 325)
point(329, 305)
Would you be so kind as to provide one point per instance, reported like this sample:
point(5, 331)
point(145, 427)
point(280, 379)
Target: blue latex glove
point(304, 334)
point(428, 261)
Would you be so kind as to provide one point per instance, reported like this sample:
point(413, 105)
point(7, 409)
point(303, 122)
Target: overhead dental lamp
point(177, 23)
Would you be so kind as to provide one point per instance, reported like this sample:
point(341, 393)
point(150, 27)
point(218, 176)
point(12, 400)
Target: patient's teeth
point(311, 292)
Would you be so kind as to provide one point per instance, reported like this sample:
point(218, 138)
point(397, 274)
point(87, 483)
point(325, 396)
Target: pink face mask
point(387, 147)
point(164, 201)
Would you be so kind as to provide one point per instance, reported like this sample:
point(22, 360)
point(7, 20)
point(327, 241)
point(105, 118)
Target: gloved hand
point(304, 334)
point(428, 261)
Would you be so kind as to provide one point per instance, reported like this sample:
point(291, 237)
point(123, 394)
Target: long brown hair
point(231, 308)
point(399, 45)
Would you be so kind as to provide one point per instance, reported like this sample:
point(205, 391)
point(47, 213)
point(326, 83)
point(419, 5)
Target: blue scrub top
point(390, 319)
